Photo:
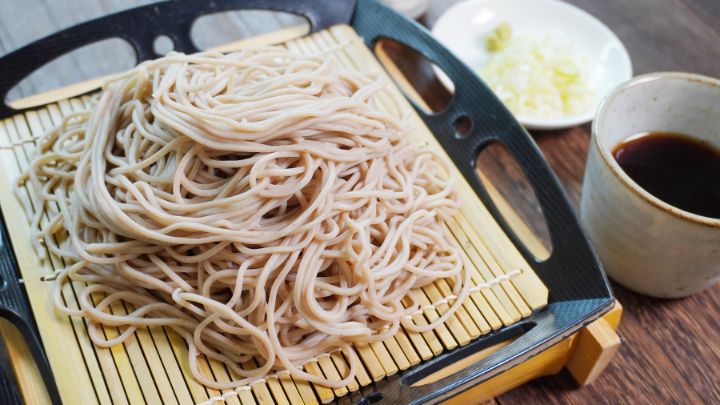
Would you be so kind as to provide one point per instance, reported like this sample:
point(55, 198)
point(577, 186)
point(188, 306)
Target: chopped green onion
point(539, 77)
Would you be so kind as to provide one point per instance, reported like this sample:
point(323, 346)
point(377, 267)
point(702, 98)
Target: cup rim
point(615, 168)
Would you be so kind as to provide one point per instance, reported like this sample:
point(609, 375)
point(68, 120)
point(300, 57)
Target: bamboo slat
point(152, 366)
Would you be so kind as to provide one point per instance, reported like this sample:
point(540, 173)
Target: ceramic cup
point(644, 243)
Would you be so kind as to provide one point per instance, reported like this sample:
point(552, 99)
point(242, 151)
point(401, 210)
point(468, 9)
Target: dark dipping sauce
point(678, 169)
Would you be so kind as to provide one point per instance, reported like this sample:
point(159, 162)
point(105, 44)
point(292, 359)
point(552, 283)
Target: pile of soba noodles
point(261, 204)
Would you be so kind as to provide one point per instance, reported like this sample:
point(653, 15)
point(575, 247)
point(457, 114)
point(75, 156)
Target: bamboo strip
point(142, 364)
point(372, 365)
point(483, 300)
point(502, 317)
point(501, 248)
point(396, 353)
point(387, 363)
point(519, 308)
point(260, 389)
point(331, 373)
point(277, 391)
point(124, 364)
point(220, 374)
point(463, 313)
point(442, 330)
point(423, 348)
point(243, 396)
point(362, 377)
point(306, 392)
point(180, 351)
point(290, 389)
point(175, 378)
point(407, 348)
point(326, 394)
point(494, 295)
point(453, 323)
point(430, 338)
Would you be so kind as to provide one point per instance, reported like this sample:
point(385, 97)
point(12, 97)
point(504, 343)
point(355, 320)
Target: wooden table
point(671, 350)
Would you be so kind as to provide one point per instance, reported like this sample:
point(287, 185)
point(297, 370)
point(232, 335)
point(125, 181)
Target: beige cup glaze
point(644, 243)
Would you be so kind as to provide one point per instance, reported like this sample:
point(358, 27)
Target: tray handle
point(579, 289)
point(142, 25)
point(572, 260)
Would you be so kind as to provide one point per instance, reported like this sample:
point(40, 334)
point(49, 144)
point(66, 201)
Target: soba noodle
point(261, 204)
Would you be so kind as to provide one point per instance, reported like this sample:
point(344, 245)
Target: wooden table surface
point(671, 348)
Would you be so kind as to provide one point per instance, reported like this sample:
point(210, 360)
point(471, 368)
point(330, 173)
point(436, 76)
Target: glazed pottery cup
point(644, 243)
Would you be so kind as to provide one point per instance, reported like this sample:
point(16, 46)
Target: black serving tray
point(579, 290)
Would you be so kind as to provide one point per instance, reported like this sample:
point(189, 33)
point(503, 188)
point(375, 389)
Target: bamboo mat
point(152, 365)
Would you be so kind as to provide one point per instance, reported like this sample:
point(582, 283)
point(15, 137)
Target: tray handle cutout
point(452, 362)
point(173, 19)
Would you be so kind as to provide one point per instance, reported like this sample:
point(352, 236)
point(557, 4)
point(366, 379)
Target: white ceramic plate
point(463, 29)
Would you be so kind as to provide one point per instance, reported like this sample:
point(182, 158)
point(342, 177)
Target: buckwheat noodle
point(261, 204)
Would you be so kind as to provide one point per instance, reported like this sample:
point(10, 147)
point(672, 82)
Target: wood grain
point(671, 351)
